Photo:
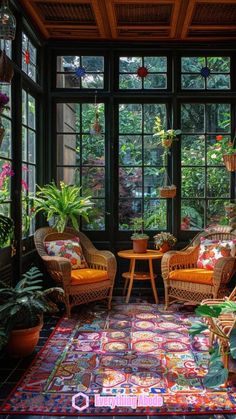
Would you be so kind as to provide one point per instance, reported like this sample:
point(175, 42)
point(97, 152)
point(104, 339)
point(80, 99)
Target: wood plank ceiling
point(136, 20)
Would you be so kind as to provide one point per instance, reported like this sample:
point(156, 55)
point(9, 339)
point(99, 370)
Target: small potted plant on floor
point(139, 238)
point(164, 241)
point(21, 312)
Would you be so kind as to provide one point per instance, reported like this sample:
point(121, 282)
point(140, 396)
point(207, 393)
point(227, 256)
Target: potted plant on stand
point(62, 205)
point(21, 312)
point(164, 241)
point(139, 238)
point(165, 138)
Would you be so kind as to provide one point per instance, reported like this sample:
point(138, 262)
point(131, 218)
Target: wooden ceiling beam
point(111, 18)
point(36, 18)
point(188, 18)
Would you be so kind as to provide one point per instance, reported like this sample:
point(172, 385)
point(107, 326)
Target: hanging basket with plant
point(228, 150)
point(165, 138)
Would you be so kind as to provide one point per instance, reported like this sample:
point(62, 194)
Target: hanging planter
point(168, 191)
point(230, 162)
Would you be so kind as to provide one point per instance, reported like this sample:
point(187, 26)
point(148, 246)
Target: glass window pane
point(153, 179)
point(193, 81)
point(130, 81)
point(192, 117)
point(153, 153)
point(192, 150)
point(192, 214)
point(68, 149)
point(31, 112)
point(96, 216)
point(215, 211)
point(218, 182)
point(6, 173)
point(155, 64)
point(69, 175)
point(155, 214)
point(130, 182)
point(192, 64)
point(219, 64)
point(130, 150)
point(130, 64)
point(5, 148)
point(92, 81)
point(218, 117)
point(31, 146)
point(93, 64)
point(128, 210)
point(155, 81)
point(130, 118)
point(93, 181)
point(93, 152)
point(193, 182)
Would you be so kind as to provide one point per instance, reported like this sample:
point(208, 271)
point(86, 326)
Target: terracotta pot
point(167, 142)
point(23, 341)
point(140, 245)
point(164, 248)
point(230, 162)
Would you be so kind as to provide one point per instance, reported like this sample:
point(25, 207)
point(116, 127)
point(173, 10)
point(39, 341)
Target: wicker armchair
point(183, 281)
point(94, 283)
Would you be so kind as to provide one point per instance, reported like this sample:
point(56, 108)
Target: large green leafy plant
point(217, 374)
point(62, 204)
point(23, 306)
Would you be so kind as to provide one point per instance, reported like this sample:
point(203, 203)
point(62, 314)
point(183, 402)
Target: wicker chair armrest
point(104, 259)
point(59, 268)
point(178, 260)
point(223, 270)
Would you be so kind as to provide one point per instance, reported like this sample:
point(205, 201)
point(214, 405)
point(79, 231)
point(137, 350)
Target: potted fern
point(21, 312)
point(62, 205)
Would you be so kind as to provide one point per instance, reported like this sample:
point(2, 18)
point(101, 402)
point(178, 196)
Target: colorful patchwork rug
point(136, 359)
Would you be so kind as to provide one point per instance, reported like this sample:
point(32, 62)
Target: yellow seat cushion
point(196, 275)
point(87, 276)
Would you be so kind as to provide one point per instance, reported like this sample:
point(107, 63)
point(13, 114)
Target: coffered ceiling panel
point(134, 19)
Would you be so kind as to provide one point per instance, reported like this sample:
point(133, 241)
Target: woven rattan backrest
point(216, 235)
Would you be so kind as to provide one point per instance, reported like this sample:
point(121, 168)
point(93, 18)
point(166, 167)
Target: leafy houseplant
point(228, 150)
point(21, 310)
point(62, 204)
point(217, 372)
point(164, 241)
point(139, 238)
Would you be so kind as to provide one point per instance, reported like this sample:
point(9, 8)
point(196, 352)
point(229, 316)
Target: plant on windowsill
point(228, 150)
point(62, 205)
point(139, 238)
point(164, 241)
point(165, 138)
point(21, 312)
point(217, 372)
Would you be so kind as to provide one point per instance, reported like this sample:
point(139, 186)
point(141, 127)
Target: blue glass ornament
point(205, 72)
point(80, 71)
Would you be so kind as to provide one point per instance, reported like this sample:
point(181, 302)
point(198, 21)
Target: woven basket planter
point(230, 162)
point(168, 191)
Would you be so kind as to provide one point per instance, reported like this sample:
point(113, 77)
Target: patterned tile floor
point(11, 371)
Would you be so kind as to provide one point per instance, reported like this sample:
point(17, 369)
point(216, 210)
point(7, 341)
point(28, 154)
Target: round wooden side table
point(130, 276)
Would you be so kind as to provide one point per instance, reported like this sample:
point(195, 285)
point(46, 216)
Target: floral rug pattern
point(135, 359)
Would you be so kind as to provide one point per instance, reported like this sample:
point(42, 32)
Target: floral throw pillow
point(70, 249)
point(212, 250)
